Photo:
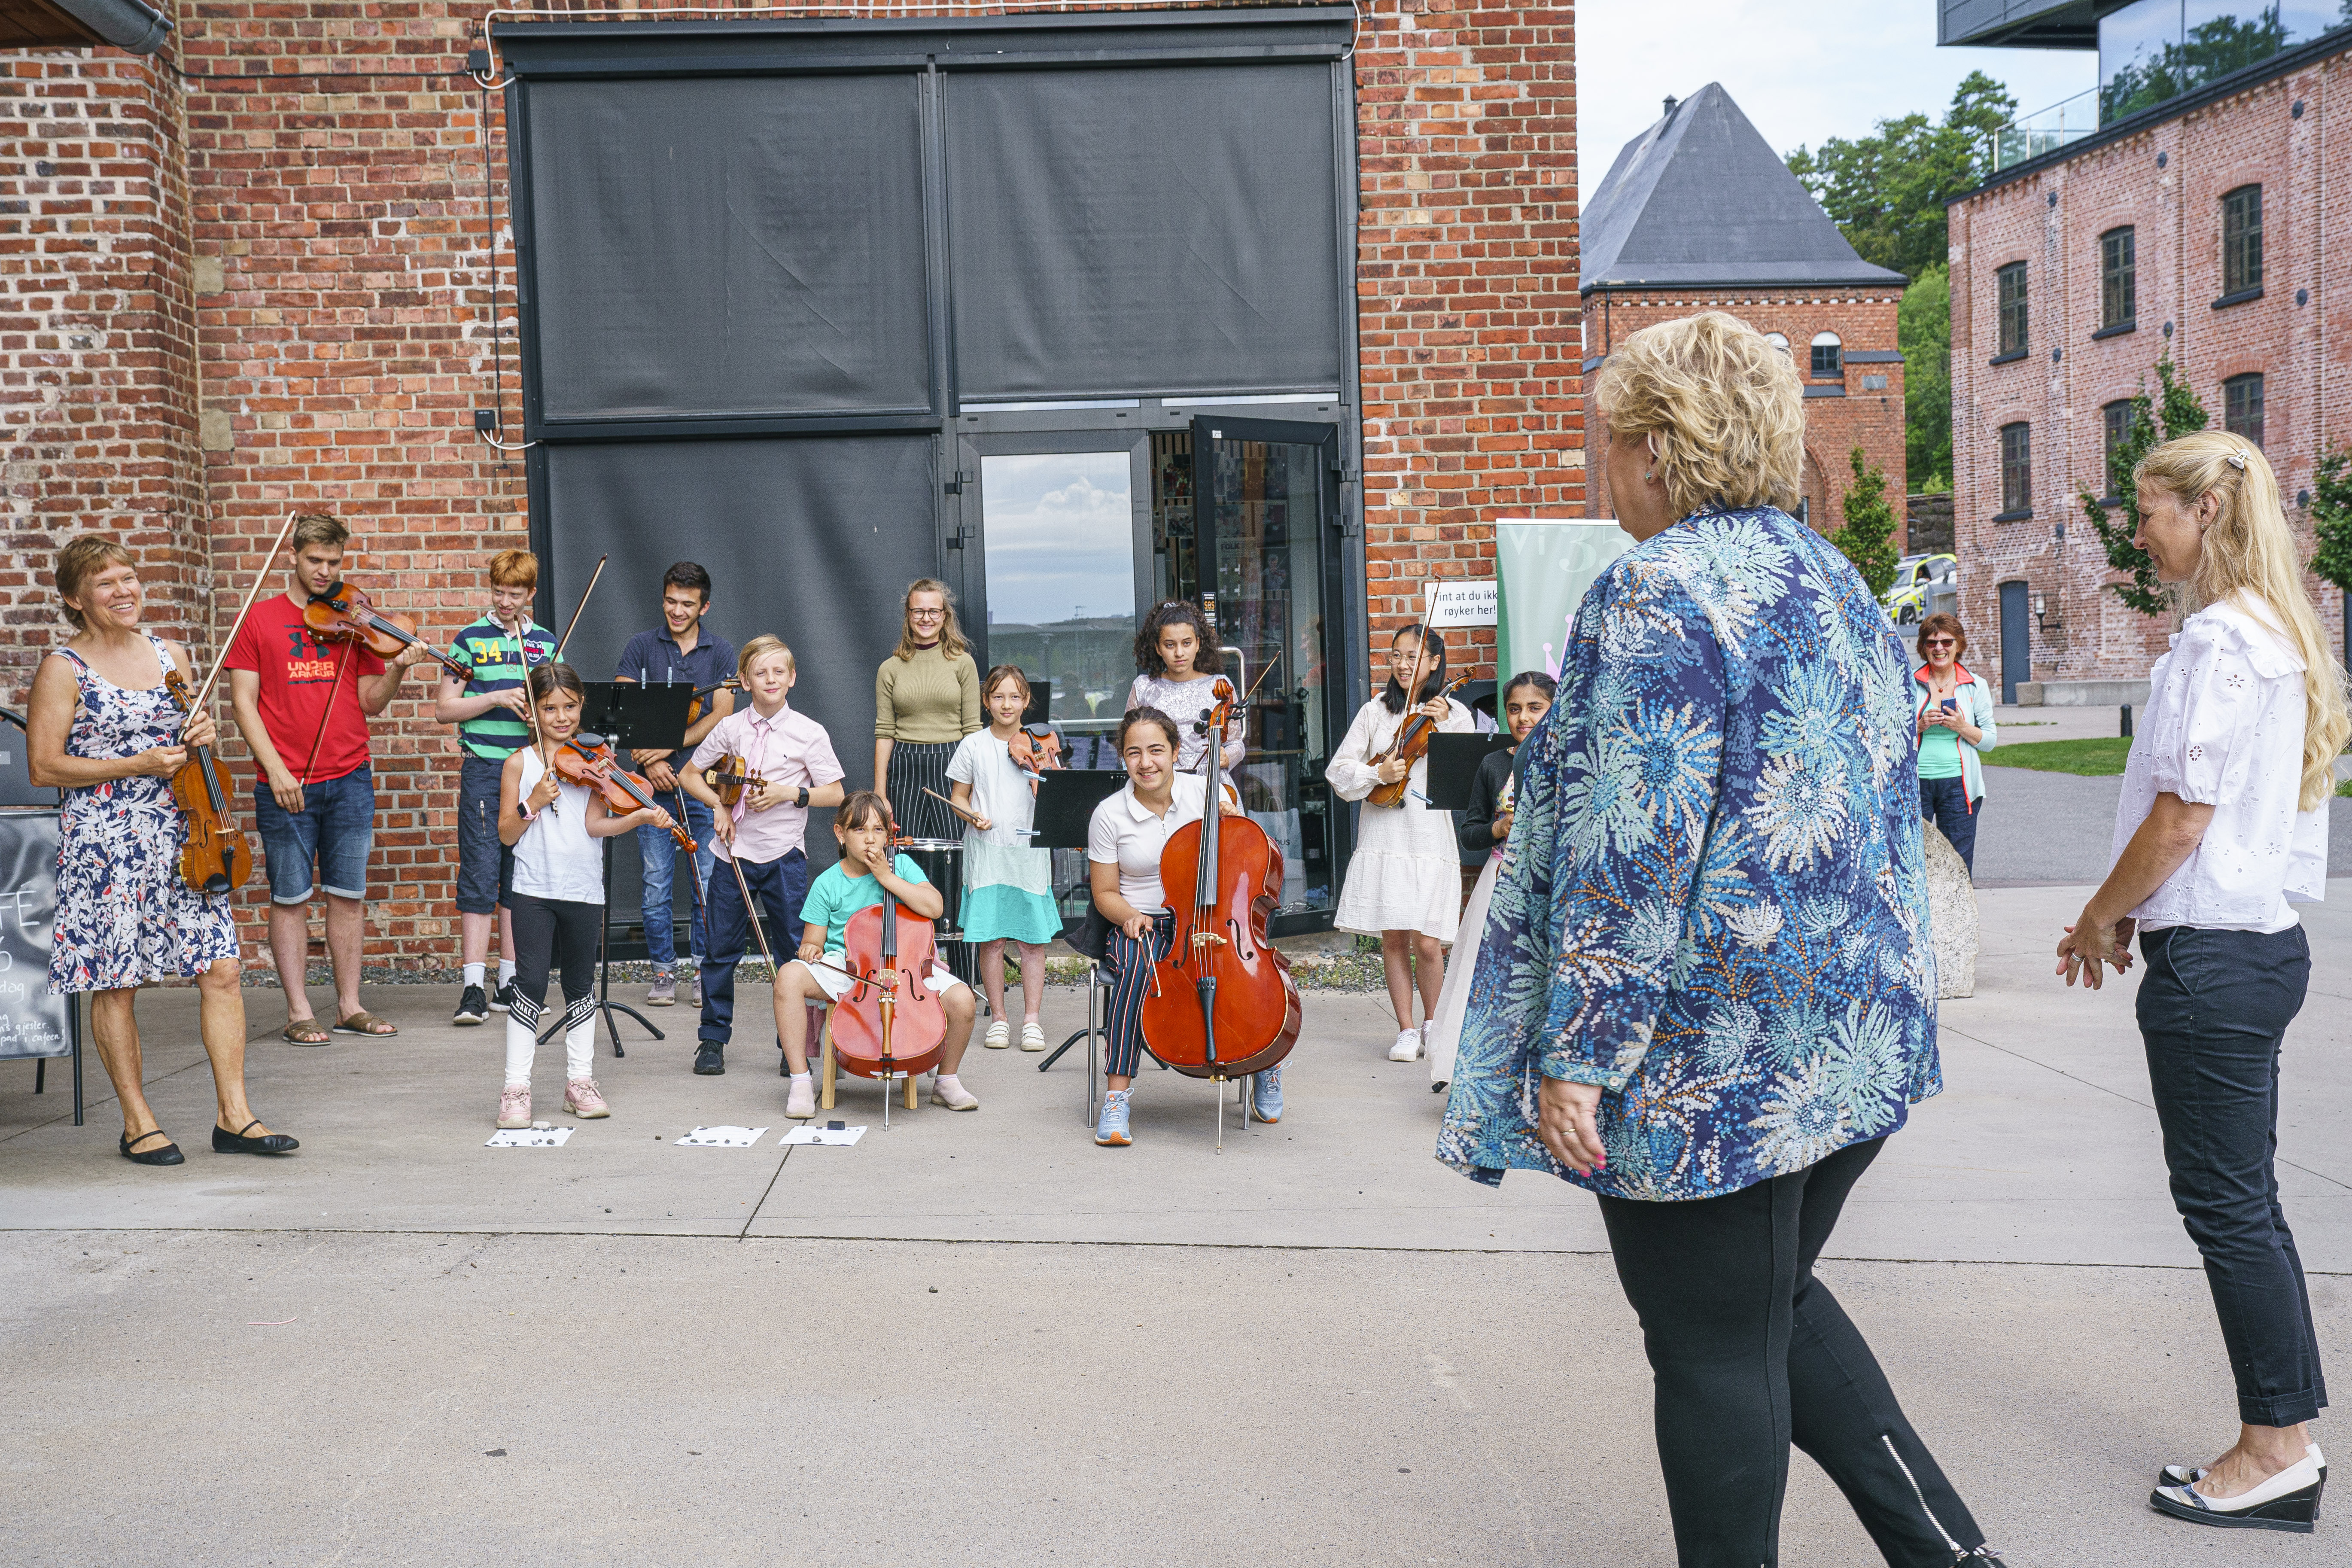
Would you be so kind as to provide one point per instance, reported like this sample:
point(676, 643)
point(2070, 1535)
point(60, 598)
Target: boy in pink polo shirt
point(761, 833)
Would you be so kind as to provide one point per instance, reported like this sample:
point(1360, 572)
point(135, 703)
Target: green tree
point(1886, 191)
point(2331, 516)
point(1924, 332)
point(2174, 411)
point(1868, 537)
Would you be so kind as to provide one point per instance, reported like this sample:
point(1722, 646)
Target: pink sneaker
point(580, 1099)
point(514, 1107)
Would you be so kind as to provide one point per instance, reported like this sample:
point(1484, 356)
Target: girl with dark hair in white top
point(557, 900)
point(2221, 830)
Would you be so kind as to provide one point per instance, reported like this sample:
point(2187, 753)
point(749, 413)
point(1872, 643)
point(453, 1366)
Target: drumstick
point(250, 594)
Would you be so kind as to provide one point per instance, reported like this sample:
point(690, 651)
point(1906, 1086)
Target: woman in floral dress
point(1704, 991)
point(102, 726)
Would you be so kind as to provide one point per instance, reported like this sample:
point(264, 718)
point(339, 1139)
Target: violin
point(891, 1024)
point(343, 614)
point(1412, 745)
point(1223, 1003)
point(587, 759)
point(731, 777)
point(1035, 749)
point(694, 710)
point(217, 858)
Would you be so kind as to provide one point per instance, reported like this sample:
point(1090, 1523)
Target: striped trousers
point(1130, 962)
point(916, 766)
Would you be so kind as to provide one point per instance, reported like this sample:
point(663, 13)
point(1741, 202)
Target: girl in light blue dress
point(1008, 887)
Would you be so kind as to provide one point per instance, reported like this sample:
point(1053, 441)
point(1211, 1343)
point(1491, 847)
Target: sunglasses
point(1939, 642)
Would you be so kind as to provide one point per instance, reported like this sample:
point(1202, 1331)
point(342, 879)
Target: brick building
point(2187, 223)
point(261, 271)
point(1698, 214)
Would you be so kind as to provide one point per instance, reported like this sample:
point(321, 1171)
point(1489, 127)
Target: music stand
point(1065, 813)
point(631, 717)
point(1454, 763)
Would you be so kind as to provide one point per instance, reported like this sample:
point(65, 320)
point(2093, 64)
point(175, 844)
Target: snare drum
point(943, 863)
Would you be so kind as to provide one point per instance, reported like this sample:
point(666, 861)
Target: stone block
point(1951, 917)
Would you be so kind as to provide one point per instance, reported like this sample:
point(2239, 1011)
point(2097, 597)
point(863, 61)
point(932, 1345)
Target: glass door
point(1245, 523)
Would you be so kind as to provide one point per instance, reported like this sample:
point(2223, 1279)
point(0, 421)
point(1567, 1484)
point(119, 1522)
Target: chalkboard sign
point(33, 1022)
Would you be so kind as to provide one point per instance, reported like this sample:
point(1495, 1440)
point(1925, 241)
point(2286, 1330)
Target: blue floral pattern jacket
point(1716, 907)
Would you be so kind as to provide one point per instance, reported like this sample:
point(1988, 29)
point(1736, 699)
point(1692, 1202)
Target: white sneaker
point(1033, 1036)
point(801, 1103)
point(1407, 1047)
point(999, 1035)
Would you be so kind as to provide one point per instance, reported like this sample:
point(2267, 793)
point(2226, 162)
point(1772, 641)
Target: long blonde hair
point(951, 643)
point(2249, 554)
point(1722, 404)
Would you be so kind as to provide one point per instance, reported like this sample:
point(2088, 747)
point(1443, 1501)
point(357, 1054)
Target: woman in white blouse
point(1404, 879)
point(2221, 830)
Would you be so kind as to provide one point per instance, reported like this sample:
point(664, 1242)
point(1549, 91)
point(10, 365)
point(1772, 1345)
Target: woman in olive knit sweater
point(925, 698)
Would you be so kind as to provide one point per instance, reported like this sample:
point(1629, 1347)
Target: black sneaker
point(504, 999)
point(710, 1061)
point(473, 1007)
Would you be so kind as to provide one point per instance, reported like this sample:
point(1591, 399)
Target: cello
point(891, 1024)
point(217, 857)
point(1223, 1003)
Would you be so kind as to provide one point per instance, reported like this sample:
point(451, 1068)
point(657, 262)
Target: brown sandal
point(304, 1032)
point(365, 1023)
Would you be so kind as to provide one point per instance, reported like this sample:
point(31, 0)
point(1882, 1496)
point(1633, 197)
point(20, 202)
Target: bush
point(1868, 537)
point(2178, 412)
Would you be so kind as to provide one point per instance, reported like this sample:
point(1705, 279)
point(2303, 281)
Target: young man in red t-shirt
point(302, 704)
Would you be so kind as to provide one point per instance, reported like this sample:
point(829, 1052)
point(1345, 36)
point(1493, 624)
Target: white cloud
point(1803, 73)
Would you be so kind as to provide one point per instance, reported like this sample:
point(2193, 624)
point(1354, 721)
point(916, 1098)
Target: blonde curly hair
point(2248, 555)
point(1722, 404)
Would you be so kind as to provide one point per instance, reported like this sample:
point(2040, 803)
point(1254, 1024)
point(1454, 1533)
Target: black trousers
point(1751, 1353)
point(2213, 1010)
point(555, 933)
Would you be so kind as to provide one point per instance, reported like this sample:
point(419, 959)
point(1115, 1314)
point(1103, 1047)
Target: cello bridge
point(1207, 938)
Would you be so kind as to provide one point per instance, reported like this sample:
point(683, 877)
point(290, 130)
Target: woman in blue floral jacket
point(1705, 990)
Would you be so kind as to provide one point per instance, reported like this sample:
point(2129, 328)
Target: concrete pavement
point(1319, 1344)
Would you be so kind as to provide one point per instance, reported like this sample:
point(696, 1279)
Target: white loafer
point(2289, 1500)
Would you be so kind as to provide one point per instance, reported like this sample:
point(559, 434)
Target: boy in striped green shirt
point(488, 707)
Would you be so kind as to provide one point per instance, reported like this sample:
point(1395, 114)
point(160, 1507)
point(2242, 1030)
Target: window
point(2116, 422)
point(2010, 283)
point(1778, 340)
point(2241, 240)
point(2242, 408)
point(1829, 354)
point(2016, 471)
point(2118, 272)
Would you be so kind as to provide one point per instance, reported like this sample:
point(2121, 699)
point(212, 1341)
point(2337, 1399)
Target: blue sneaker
point(1111, 1131)
point(1266, 1101)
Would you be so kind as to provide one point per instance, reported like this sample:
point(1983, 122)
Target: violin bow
point(565, 641)
point(1413, 687)
point(260, 576)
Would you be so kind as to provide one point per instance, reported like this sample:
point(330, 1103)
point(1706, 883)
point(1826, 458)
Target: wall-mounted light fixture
point(2038, 605)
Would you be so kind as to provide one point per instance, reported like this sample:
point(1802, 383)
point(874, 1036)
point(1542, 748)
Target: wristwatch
point(803, 802)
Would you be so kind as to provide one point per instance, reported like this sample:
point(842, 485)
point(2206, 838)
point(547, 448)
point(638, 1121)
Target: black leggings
point(559, 934)
point(1750, 1352)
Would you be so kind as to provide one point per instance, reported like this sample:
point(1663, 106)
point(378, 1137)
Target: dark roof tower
point(1699, 200)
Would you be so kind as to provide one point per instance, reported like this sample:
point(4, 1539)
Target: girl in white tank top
point(558, 896)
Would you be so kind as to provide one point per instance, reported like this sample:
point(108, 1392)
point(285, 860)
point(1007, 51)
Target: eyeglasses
point(925, 615)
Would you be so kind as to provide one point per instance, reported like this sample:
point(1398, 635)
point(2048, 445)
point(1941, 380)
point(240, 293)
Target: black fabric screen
point(729, 246)
point(813, 539)
point(1169, 229)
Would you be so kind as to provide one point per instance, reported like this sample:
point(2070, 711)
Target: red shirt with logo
point(300, 676)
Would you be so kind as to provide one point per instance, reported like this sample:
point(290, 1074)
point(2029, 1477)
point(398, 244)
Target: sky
point(1803, 70)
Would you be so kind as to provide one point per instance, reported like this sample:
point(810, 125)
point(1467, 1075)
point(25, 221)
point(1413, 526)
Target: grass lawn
point(2100, 758)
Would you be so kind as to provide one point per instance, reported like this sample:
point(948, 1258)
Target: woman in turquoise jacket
point(1953, 716)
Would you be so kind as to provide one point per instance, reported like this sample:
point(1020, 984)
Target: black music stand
point(1454, 763)
point(630, 716)
point(1066, 812)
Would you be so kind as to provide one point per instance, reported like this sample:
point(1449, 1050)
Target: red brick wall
point(1870, 418)
point(2051, 220)
point(281, 279)
point(1465, 291)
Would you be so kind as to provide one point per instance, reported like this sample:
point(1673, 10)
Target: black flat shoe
point(710, 1061)
point(169, 1154)
point(227, 1143)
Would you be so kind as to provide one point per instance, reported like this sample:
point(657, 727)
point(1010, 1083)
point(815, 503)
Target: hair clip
point(2236, 460)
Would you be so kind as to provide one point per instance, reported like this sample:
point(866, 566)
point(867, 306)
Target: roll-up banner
point(32, 1020)
point(1542, 567)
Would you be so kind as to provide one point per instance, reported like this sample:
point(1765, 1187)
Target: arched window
point(1829, 354)
point(1778, 340)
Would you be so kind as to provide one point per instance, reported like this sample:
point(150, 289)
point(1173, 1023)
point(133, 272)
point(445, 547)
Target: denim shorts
point(485, 866)
point(335, 828)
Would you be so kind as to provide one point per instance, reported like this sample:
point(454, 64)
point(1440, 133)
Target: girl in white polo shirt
point(1123, 844)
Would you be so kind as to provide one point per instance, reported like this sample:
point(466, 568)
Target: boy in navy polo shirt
point(487, 706)
point(677, 652)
